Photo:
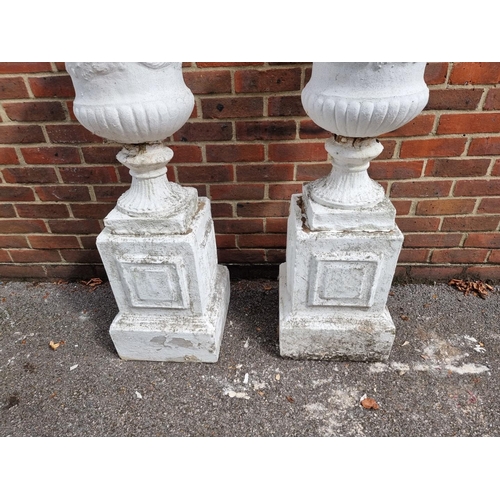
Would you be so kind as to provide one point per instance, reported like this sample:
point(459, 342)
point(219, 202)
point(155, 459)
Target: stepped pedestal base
point(172, 295)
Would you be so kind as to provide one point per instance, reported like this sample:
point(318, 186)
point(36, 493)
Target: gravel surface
point(441, 378)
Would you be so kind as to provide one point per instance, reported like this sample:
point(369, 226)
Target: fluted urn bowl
point(365, 99)
point(131, 103)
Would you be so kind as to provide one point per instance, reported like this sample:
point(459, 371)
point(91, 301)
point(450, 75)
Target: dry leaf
point(54, 345)
point(369, 404)
point(260, 393)
point(290, 399)
point(92, 283)
point(404, 318)
point(477, 288)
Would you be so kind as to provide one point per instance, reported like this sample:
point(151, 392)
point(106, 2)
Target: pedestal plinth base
point(174, 338)
point(172, 295)
point(334, 337)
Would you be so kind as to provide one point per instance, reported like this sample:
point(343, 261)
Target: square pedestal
point(172, 295)
point(333, 292)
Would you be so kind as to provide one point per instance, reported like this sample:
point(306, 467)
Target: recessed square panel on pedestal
point(343, 279)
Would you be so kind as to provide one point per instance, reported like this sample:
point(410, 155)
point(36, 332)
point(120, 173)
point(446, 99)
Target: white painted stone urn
point(342, 239)
point(158, 245)
point(358, 102)
point(138, 105)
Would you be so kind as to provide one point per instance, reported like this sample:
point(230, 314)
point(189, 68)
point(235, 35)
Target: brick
point(453, 167)
point(5, 256)
point(477, 187)
point(469, 123)
point(432, 240)
point(28, 255)
point(20, 226)
point(460, 99)
point(470, 223)
point(265, 172)
point(424, 148)
point(284, 191)
point(262, 240)
point(494, 257)
point(30, 175)
point(272, 80)
point(63, 193)
point(100, 154)
point(237, 192)
point(263, 209)
point(418, 224)
point(388, 151)
point(54, 241)
point(22, 271)
point(11, 241)
point(421, 125)
point(435, 73)
point(52, 86)
point(76, 271)
point(208, 82)
point(475, 73)
point(13, 88)
point(268, 130)
point(16, 193)
point(312, 171)
point(496, 169)
point(276, 256)
point(7, 210)
point(489, 206)
point(88, 175)
point(276, 225)
point(8, 156)
point(35, 111)
point(71, 134)
point(420, 189)
point(222, 210)
point(395, 169)
point(458, 256)
point(445, 207)
point(239, 226)
point(484, 146)
point(210, 174)
point(21, 134)
point(483, 240)
point(485, 273)
point(108, 193)
point(234, 153)
point(237, 256)
point(225, 64)
point(186, 154)
point(232, 107)
point(402, 206)
point(492, 101)
point(24, 67)
point(205, 131)
point(309, 130)
point(435, 273)
point(91, 210)
point(51, 155)
point(285, 106)
point(308, 151)
point(414, 255)
point(88, 242)
point(84, 256)
point(225, 240)
point(75, 226)
point(42, 210)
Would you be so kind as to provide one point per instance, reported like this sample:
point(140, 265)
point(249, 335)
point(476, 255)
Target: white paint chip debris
point(479, 348)
point(71, 368)
point(138, 394)
point(404, 343)
point(378, 367)
point(245, 380)
point(238, 395)
point(468, 368)
point(471, 339)
point(246, 343)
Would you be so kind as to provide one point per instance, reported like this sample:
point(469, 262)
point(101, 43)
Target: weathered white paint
point(342, 240)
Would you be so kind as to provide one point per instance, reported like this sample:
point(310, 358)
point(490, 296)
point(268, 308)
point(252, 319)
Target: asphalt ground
point(441, 380)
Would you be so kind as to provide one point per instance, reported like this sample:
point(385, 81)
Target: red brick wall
point(248, 146)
